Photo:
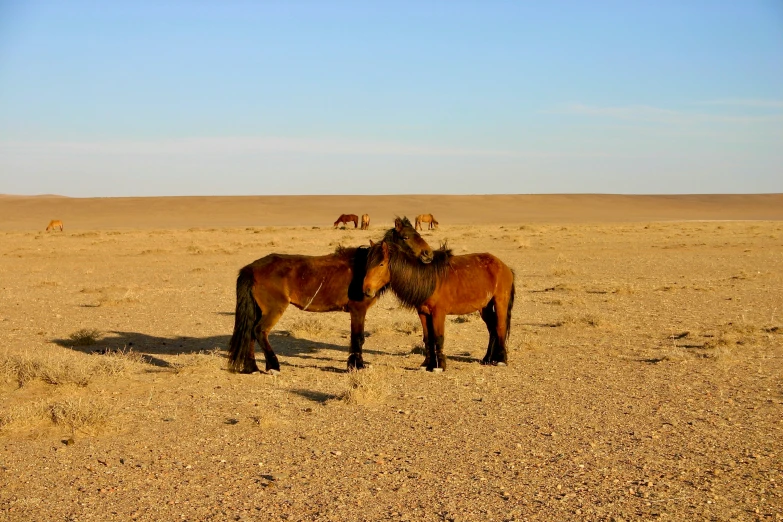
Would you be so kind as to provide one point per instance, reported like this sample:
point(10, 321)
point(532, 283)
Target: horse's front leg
point(425, 339)
point(437, 336)
point(355, 360)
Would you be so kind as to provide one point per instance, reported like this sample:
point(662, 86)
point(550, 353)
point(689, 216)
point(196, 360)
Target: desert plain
point(645, 376)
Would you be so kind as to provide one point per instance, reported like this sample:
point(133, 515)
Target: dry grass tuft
point(77, 414)
point(191, 361)
point(60, 369)
point(118, 362)
point(84, 337)
point(308, 327)
point(591, 320)
point(408, 326)
point(24, 368)
point(23, 416)
point(366, 387)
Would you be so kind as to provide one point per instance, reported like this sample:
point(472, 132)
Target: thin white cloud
point(248, 145)
point(205, 147)
point(745, 102)
point(649, 114)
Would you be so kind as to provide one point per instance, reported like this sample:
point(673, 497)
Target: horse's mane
point(358, 258)
point(344, 251)
point(411, 280)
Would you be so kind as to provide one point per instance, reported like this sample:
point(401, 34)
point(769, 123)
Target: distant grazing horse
point(347, 218)
point(54, 224)
point(365, 221)
point(449, 285)
point(327, 283)
point(426, 218)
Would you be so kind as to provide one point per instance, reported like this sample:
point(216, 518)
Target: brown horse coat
point(54, 224)
point(327, 283)
point(365, 221)
point(426, 218)
point(450, 285)
point(347, 218)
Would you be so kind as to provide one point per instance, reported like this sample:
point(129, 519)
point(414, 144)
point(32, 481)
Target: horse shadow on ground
point(285, 345)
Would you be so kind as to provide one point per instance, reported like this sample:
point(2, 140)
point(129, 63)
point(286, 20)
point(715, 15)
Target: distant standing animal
point(54, 224)
point(347, 218)
point(365, 221)
point(327, 283)
point(448, 285)
point(426, 218)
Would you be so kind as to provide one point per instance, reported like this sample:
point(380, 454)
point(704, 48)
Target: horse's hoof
point(423, 369)
point(500, 363)
point(273, 372)
point(437, 370)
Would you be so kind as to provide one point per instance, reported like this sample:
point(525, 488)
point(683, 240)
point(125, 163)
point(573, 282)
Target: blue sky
point(198, 97)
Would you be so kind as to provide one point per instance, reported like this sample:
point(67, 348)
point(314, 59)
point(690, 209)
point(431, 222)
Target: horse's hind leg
point(496, 318)
point(489, 315)
point(268, 320)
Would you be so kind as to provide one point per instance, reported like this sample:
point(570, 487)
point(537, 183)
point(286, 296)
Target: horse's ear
point(385, 247)
point(372, 244)
point(398, 224)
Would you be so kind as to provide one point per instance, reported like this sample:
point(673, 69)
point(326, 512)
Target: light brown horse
point(347, 218)
point(54, 224)
point(426, 218)
point(365, 221)
point(449, 285)
point(328, 283)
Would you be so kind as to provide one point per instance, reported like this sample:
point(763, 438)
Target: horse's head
point(378, 274)
point(405, 235)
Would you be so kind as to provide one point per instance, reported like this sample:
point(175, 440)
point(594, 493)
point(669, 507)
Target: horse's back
point(298, 270)
point(473, 275)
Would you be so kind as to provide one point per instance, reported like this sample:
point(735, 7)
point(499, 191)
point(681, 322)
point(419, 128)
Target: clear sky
point(208, 97)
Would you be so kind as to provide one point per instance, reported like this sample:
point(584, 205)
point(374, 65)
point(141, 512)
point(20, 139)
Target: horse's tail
point(510, 306)
point(247, 315)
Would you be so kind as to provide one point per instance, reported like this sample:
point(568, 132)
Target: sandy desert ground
point(645, 377)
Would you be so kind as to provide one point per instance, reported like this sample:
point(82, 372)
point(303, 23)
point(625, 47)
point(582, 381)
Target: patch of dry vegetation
point(407, 326)
point(84, 337)
point(185, 362)
point(61, 368)
point(308, 327)
point(80, 414)
point(368, 387)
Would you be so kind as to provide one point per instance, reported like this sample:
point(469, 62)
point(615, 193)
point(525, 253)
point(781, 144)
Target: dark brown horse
point(426, 218)
point(365, 221)
point(328, 283)
point(347, 218)
point(449, 285)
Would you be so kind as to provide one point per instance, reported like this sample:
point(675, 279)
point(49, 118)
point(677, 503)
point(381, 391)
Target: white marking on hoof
point(437, 370)
point(273, 373)
point(500, 364)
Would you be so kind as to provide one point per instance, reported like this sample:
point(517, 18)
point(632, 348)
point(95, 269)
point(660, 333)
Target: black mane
point(411, 280)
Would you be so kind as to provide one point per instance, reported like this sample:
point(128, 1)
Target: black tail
point(510, 306)
point(247, 315)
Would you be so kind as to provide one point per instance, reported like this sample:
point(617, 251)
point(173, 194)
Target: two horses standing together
point(435, 283)
point(344, 219)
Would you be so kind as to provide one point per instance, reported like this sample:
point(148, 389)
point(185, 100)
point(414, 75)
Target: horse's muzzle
point(426, 257)
point(369, 293)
